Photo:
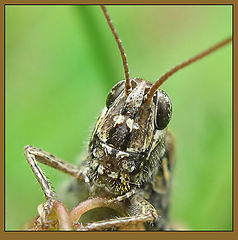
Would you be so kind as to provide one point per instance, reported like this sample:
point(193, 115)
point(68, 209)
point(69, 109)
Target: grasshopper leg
point(35, 155)
point(140, 211)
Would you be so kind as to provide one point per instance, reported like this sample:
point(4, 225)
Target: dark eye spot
point(163, 110)
point(114, 93)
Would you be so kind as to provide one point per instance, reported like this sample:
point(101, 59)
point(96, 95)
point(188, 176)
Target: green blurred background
point(61, 62)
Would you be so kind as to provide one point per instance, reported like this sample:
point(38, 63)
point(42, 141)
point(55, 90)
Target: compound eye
point(114, 93)
point(163, 110)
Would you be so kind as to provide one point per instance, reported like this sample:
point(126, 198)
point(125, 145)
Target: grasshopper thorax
point(128, 140)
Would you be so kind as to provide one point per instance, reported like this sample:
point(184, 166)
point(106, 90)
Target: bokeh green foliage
point(61, 62)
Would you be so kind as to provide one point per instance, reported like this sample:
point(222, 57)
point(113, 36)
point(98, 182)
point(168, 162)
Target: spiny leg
point(59, 218)
point(34, 155)
point(141, 210)
point(55, 162)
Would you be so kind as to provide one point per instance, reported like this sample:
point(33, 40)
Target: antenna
point(166, 75)
point(121, 48)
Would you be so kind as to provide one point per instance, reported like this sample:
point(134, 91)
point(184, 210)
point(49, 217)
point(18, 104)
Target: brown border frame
point(117, 235)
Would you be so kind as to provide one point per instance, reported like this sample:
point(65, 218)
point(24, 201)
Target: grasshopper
point(129, 160)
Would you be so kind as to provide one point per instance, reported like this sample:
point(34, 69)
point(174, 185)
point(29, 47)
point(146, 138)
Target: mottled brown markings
point(119, 136)
point(145, 168)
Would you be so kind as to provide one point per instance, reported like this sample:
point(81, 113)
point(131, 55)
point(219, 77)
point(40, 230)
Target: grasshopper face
point(128, 140)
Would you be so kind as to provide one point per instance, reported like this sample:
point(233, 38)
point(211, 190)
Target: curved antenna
point(166, 75)
point(121, 48)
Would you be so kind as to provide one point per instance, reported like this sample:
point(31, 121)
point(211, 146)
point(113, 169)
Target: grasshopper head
point(129, 131)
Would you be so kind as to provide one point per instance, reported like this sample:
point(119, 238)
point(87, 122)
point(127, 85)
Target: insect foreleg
point(53, 161)
point(34, 155)
point(140, 210)
point(59, 218)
